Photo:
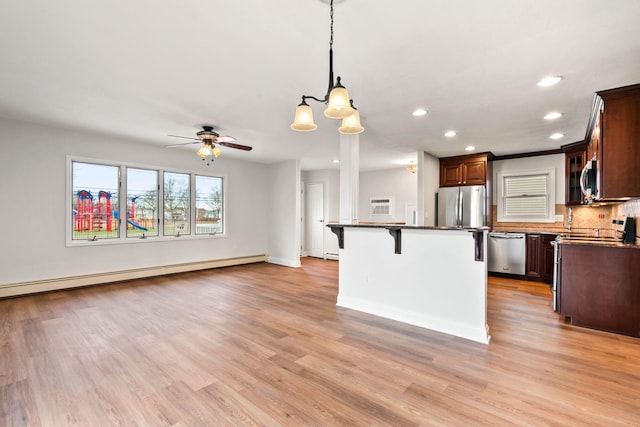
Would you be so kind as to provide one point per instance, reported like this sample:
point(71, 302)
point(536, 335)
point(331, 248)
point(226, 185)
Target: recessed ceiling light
point(557, 136)
point(336, 161)
point(549, 81)
point(469, 148)
point(420, 112)
point(450, 133)
point(553, 115)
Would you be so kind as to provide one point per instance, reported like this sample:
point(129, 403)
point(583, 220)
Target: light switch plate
point(559, 218)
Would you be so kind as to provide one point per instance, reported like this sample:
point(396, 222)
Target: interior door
point(315, 220)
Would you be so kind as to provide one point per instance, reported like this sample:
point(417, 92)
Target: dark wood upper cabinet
point(465, 170)
point(575, 159)
point(614, 140)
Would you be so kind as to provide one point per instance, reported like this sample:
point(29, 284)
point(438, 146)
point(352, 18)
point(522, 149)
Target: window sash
point(142, 202)
point(94, 201)
point(177, 203)
point(526, 197)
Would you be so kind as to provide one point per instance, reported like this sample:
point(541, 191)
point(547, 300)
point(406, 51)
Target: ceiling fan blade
point(238, 146)
point(185, 137)
point(225, 139)
point(184, 143)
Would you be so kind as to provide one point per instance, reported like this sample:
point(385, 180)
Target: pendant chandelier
point(339, 105)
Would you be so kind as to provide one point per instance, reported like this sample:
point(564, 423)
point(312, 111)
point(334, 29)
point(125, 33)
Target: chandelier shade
point(351, 124)
point(303, 120)
point(339, 105)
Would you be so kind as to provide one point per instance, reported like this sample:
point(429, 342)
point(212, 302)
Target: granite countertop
point(597, 242)
point(406, 227)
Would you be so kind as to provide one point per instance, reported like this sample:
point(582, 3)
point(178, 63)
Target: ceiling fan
point(210, 141)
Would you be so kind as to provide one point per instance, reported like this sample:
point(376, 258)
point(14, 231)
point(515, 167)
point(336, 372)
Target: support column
point(349, 178)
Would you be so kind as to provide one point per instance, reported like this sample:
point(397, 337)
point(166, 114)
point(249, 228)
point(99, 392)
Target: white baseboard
point(474, 333)
point(331, 256)
point(24, 288)
point(295, 263)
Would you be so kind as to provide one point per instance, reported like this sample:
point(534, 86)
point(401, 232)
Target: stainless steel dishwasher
point(506, 253)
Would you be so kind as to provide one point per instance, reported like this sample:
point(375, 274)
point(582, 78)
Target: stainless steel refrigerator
point(462, 206)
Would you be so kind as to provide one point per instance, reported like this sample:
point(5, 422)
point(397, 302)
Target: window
point(526, 197)
point(176, 204)
point(94, 199)
point(208, 205)
point(179, 204)
point(142, 202)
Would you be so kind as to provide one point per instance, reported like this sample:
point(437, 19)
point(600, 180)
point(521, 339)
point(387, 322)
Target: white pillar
point(349, 175)
point(421, 205)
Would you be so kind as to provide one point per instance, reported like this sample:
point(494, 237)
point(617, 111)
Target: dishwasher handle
point(505, 237)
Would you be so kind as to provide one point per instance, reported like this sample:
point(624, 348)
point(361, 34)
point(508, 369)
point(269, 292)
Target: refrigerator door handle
point(459, 216)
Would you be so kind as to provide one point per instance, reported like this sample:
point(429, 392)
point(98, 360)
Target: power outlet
point(559, 218)
point(600, 216)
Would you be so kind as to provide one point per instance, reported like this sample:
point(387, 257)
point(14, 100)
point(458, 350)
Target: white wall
point(398, 183)
point(330, 178)
point(284, 213)
point(538, 163)
point(33, 207)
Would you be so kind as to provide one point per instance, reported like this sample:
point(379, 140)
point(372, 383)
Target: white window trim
point(551, 196)
point(122, 238)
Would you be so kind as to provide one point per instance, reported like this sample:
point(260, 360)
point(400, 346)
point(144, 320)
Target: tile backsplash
point(585, 219)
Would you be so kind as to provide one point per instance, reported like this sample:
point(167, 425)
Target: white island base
point(438, 281)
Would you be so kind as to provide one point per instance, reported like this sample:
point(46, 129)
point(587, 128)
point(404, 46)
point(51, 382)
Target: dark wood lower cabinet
point(599, 287)
point(539, 261)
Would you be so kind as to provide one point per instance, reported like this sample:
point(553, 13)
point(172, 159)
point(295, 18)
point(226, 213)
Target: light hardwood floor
point(265, 345)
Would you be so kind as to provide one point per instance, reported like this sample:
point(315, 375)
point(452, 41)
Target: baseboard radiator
point(24, 288)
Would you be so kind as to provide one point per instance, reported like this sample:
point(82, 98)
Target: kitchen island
point(432, 277)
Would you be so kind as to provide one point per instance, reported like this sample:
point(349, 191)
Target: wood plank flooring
point(265, 345)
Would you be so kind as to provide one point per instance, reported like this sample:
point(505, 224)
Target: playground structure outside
point(98, 220)
point(95, 219)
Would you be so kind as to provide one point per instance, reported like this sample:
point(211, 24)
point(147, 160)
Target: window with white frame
point(176, 198)
point(142, 202)
point(94, 201)
point(208, 204)
point(526, 196)
point(111, 202)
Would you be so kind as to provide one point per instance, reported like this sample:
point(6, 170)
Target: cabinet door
point(474, 172)
point(619, 150)
point(450, 174)
point(574, 164)
point(547, 258)
point(533, 255)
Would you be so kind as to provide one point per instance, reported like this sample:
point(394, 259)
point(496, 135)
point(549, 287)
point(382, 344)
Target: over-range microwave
point(589, 182)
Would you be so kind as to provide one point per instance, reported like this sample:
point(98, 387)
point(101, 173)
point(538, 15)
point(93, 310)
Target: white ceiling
point(144, 69)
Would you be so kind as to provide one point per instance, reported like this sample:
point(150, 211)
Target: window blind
point(526, 195)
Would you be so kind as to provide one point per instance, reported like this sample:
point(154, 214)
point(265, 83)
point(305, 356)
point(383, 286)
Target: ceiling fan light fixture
point(351, 124)
point(303, 119)
point(216, 151)
point(204, 151)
